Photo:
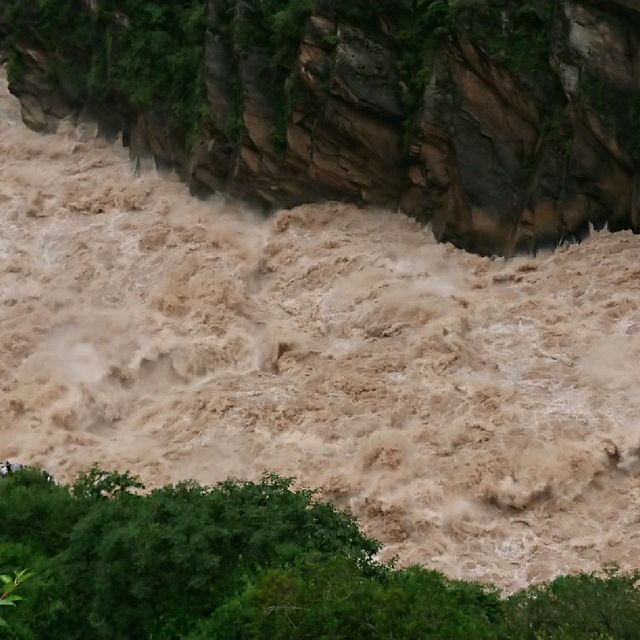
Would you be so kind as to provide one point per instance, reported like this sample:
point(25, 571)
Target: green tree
point(97, 483)
point(582, 607)
point(338, 599)
point(125, 565)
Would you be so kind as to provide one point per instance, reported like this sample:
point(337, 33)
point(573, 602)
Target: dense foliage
point(110, 563)
point(142, 54)
point(335, 599)
point(245, 560)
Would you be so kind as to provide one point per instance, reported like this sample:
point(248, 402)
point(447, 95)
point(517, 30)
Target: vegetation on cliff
point(498, 116)
point(149, 55)
point(141, 55)
point(245, 560)
point(508, 125)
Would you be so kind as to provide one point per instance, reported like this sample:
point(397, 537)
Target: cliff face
point(506, 125)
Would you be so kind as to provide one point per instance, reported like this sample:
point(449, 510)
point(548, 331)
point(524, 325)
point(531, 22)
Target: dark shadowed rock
point(497, 161)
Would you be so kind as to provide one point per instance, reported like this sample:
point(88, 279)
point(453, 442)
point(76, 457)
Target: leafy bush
point(205, 540)
point(36, 512)
point(337, 600)
point(120, 565)
point(254, 560)
point(584, 607)
point(97, 483)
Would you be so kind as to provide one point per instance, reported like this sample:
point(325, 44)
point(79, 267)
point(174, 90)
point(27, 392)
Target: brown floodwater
point(477, 416)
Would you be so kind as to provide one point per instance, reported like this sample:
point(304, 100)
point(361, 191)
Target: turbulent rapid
point(477, 416)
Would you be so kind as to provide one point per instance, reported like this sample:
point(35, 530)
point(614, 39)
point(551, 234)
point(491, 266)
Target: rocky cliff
point(507, 125)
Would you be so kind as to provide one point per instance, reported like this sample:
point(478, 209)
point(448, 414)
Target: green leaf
point(12, 599)
point(23, 576)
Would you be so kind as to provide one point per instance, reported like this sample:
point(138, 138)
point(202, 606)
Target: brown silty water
point(477, 416)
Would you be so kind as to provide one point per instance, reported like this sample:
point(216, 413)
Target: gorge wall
point(506, 125)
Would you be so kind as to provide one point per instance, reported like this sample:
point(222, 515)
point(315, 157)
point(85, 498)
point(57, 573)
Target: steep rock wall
point(507, 126)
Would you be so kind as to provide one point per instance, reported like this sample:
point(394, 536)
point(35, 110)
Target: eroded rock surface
point(498, 159)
